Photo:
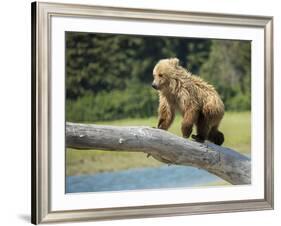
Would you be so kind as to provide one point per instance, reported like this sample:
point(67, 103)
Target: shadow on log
point(163, 146)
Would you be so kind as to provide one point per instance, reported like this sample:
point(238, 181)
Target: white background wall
point(15, 110)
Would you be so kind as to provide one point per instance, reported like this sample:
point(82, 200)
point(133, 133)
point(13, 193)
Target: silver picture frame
point(41, 16)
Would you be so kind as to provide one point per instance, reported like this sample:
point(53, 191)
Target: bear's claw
point(197, 138)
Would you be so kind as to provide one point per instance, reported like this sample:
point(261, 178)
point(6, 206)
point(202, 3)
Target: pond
point(141, 178)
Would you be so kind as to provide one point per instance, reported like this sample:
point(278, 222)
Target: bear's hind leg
point(186, 129)
point(216, 136)
point(202, 129)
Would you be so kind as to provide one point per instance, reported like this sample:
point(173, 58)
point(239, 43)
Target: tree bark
point(163, 146)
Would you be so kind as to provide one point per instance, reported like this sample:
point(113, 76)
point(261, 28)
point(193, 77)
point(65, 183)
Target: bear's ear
point(174, 61)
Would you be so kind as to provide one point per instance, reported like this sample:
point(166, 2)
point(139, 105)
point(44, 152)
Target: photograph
point(149, 113)
point(159, 92)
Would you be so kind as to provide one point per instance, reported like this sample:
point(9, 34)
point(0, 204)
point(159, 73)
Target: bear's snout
point(154, 86)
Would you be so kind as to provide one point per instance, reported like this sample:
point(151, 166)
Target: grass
point(236, 127)
point(90, 162)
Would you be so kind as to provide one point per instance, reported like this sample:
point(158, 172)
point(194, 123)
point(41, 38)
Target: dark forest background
point(109, 76)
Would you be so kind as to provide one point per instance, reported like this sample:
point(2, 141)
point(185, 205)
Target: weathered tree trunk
point(163, 146)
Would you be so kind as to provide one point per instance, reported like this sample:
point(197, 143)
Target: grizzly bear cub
point(197, 101)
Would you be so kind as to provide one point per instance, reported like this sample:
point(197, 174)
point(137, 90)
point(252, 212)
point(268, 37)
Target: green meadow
point(236, 127)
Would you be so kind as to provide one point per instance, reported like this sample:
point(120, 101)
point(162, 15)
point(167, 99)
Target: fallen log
point(163, 146)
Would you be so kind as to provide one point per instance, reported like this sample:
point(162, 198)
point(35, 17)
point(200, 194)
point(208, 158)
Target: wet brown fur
point(198, 101)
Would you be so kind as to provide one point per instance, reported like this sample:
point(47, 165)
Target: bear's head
point(163, 71)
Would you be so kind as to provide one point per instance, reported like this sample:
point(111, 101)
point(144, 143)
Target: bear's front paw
point(160, 123)
point(197, 138)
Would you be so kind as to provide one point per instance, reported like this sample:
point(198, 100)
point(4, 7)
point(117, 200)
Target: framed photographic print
point(145, 113)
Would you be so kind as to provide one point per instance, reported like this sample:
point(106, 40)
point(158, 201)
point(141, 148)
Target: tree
point(229, 69)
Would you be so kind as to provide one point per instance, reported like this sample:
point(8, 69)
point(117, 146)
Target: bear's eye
point(160, 75)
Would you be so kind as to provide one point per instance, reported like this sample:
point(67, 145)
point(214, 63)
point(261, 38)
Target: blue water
point(140, 178)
